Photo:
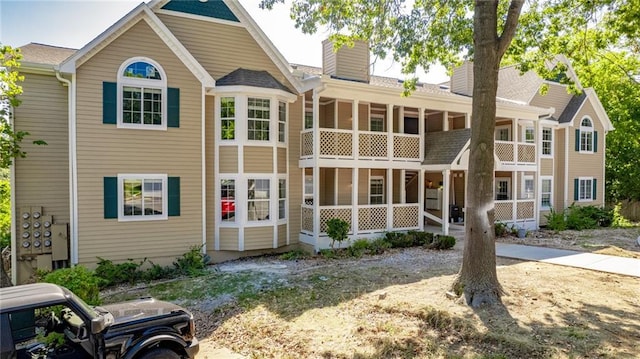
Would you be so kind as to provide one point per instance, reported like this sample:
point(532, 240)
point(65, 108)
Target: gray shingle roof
point(441, 148)
point(514, 86)
point(45, 54)
point(245, 77)
point(572, 108)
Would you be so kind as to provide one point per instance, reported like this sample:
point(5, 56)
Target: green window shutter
point(595, 141)
point(109, 103)
point(594, 189)
point(577, 140)
point(576, 185)
point(111, 197)
point(173, 107)
point(174, 196)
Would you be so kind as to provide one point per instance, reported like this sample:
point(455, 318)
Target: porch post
point(390, 131)
point(389, 198)
point(514, 197)
point(446, 174)
point(354, 127)
point(316, 168)
point(445, 121)
point(354, 200)
point(421, 131)
point(421, 199)
point(467, 120)
point(515, 138)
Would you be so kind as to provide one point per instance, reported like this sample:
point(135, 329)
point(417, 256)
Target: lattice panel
point(504, 211)
point(526, 153)
point(372, 218)
point(328, 213)
point(307, 144)
point(372, 145)
point(406, 147)
point(405, 217)
point(338, 144)
point(504, 151)
point(307, 219)
point(525, 210)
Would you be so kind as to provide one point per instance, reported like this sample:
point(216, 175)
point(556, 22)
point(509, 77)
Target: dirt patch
point(394, 306)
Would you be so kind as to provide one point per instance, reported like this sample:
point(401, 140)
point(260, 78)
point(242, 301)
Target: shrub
point(328, 253)
point(443, 242)
point(617, 219)
point(294, 255)
point(112, 274)
point(192, 263)
point(156, 272)
point(358, 248)
point(420, 238)
point(399, 239)
point(556, 220)
point(500, 229)
point(81, 281)
point(587, 217)
point(337, 230)
point(378, 246)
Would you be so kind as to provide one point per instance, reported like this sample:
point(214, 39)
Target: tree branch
point(510, 26)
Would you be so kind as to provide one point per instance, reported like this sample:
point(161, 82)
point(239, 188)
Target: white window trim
point(143, 176)
point(377, 178)
point(509, 188)
point(269, 178)
point(544, 178)
point(218, 189)
point(286, 199)
point(502, 127)
point(273, 112)
point(542, 141)
point(585, 129)
point(523, 187)
point(128, 81)
point(285, 122)
point(590, 198)
point(524, 134)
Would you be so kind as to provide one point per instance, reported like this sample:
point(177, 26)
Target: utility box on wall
point(40, 244)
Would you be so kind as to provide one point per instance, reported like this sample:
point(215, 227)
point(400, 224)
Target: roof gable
point(214, 9)
point(140, 13)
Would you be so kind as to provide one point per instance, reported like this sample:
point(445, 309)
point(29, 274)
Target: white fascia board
point(250, 90)
point(263, 41)
point(36, 68)
point(141, 12)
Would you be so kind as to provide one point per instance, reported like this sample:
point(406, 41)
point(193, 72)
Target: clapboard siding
point(42, 178)
point(295, 172)
point(228, 159)
point(258, 159)
point(104, 150)
point(229, 239)
point(258, 238)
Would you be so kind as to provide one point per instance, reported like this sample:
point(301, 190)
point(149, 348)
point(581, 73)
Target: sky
point(74, 23)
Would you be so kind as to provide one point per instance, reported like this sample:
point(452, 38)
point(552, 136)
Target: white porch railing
point(335, 143)
point(506, 152)
point(524, 209)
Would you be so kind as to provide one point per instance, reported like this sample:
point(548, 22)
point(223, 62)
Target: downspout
point(73, 166)
point(204, 172)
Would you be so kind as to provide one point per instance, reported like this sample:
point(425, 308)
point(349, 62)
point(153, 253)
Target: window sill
point(142, 218)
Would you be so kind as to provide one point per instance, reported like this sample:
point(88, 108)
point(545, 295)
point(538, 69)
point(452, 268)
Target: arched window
point(586, 135)
point(142, 94)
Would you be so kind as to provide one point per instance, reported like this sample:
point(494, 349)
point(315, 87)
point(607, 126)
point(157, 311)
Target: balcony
point(339, 144)
point(512, 211)
point(515, 153)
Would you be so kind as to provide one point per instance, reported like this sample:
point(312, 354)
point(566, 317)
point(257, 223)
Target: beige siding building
point(181, 127)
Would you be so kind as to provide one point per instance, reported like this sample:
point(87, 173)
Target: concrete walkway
point(599, 262)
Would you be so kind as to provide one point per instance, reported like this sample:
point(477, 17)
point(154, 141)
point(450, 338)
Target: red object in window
point(228, 207)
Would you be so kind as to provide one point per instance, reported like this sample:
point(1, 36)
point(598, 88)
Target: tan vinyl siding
point(228, 159)
point(104, 150)
point(328, 58)
point(229, 239)
point(258, 238)
point(282, 235)
point(556, 97)
point(42, 178)
point(560, 163)
point(363, 186)
point(462, 79)
point(344, 116)
point(327, 186)
point(344, 186)
point(546, 167)
point(348, 62)
point(221, 48)
point(282, 160)
point(295, 178)
point(396, 186)
point(587, 164)
point(363, 117)
point(258, 159)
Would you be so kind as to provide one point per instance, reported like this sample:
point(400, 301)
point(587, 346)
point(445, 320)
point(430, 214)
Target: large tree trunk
point(478, 280)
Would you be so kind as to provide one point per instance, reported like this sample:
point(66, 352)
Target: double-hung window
point(503, 188)
point(258, 203)
point(228, 200)
point(376, 123)
point(547, 141)
point(586, 135)
point(258, 117)
point(143, 94)
point(545, 193)
point(376, 190)
point(282, 199)
point(142, 197)
point(282, 122)
point(529, 134)
point(227, 118)
point(585, 189)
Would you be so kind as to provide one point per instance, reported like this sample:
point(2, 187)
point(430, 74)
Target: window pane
point(142, 70)
point(258, 199)
point(152, 201)
point(132, 200)
point(282, 194)
point(377, 124)
point(228, 200)
point(228, 129)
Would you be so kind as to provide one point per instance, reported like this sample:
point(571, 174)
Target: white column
point(389, 198)
point(467, 120)
point(390, 131)
point(421, 132)
point(421, 198)
point(514, 196)
point(515, 139)
point(354, 200)
point(446, 181)
point(403, 186)
point(445, 121)
point(354, 127)
point(400, 119)
point(316, 168)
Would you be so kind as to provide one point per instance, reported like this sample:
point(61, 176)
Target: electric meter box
point(30, 234)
